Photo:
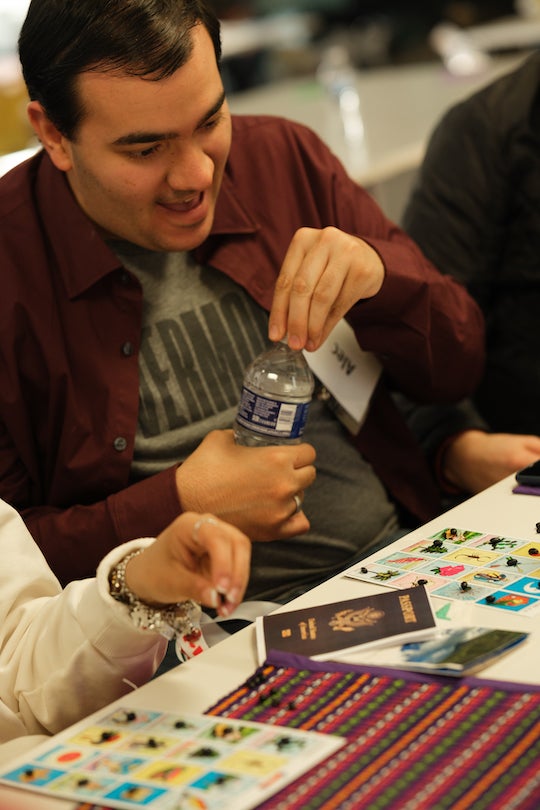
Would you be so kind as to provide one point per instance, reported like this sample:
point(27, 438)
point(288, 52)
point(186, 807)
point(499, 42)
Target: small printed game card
point(464, 566)
point(132, 758)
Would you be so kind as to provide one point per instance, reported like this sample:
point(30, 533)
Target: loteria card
point(454, 651)
point(462, 565)
point(130, 758)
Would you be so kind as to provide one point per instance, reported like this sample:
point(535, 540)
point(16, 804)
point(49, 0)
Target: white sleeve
point(63, 654)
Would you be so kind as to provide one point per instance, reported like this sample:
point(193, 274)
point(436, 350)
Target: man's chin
point(181, 239)
point(179, 245)
point(165, 240)
point(188, 239)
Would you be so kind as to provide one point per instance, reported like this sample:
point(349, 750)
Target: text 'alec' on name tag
point(347, 371)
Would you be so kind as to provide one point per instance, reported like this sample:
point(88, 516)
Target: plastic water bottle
point(276, 395)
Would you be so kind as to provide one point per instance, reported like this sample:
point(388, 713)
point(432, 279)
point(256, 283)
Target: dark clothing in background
point(476, 214)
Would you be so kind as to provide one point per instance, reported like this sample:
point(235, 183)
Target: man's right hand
point(253, 488)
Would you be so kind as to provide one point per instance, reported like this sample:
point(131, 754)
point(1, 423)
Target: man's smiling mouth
point(184, 205)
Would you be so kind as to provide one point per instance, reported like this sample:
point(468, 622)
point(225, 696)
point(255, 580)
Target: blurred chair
point(467, 51)
point(12, 159)
point(15, 130)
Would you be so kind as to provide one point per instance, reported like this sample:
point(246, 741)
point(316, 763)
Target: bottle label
point(272, 417)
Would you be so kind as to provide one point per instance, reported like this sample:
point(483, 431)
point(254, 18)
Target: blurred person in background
point(475, 211)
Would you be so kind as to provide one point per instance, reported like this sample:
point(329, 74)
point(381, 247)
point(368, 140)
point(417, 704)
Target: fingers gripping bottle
point(276, 395)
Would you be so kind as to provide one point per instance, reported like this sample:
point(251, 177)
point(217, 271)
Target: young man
point(64, 654)
point(148, 252)
point(475, 212)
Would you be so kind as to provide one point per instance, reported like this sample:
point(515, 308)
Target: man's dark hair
point(60, 39)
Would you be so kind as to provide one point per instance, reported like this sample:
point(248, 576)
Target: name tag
point(348, 372)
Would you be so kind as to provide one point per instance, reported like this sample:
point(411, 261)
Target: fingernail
point(223, 586)
point(295, 342)
point(212, 598)
point(273, 332)
point(233, 596)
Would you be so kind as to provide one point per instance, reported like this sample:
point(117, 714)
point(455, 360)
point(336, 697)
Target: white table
point(197, 684)
point(399, 107)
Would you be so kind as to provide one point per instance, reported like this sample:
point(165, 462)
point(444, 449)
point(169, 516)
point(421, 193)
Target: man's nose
point(190, 169)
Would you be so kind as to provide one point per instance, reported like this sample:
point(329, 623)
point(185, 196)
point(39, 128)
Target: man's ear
point(50, 137)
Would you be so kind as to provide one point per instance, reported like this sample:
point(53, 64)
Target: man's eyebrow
point(143, 137)
point(213, 110)
point(151, 137)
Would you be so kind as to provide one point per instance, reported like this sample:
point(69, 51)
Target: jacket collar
point(81, 255)
point(231, 217)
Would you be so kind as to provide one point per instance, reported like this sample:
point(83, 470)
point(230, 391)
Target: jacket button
point(127, 348)
point(120, 444)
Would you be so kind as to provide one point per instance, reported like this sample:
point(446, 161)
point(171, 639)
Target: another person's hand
point(325, 272)
point(475, 460)
point(254, 488)
point(197, 557)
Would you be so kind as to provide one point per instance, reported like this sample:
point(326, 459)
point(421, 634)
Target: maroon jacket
point(70, 321)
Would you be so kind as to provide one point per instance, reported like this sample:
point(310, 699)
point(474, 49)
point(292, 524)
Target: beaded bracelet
point(178, 620)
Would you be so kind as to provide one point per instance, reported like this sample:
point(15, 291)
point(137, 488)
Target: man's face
point(148, 157)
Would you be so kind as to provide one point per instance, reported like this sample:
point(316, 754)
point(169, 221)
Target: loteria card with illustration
point(127, 757)
point(326, 631)
point(455, 651)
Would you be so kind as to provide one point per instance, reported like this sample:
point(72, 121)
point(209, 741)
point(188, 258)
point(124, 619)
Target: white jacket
point(63, 653)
